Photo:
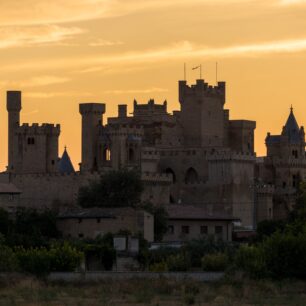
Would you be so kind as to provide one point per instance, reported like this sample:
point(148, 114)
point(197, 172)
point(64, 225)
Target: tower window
point(31, 140)
point(106, 154)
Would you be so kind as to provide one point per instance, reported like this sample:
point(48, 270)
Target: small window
point(81, 235)
point(31, 141)
point(171, 229)
point(219, 230)
point(204, 229)
point(185, 229)
point(52, 162)
point(284, 184)
point(80, 220)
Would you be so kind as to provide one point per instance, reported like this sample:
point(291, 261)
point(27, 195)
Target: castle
point(195, 156)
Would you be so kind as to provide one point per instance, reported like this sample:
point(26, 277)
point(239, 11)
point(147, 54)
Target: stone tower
point(92, 120)
point(13, 107)
point(202, 113)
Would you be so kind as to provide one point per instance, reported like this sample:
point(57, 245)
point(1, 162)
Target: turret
point(13, 107)
point(91, 121)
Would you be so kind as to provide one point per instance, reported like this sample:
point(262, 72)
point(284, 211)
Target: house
point(90, 223)
point(187, 222)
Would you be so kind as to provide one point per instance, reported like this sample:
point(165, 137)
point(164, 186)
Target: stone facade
point(195, 156)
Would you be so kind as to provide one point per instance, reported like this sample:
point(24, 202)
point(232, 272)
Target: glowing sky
point(63, 52)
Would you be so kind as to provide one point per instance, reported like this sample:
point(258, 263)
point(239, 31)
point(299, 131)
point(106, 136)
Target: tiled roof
point(90, 213)
point(65, 164)
point(8, 189)
point(292, 128)
point(189, 212)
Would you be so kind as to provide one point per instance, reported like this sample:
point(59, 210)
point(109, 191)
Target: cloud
point(48, 95)
point(136, 91)
point(44, 80)
point(35, 35)
point(33, 12)
point(105, 43)
point(181, 51)
point(291, 2)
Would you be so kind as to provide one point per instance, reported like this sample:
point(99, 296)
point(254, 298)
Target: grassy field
point(30, 292)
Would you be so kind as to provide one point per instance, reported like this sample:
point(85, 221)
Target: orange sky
point(63, 52)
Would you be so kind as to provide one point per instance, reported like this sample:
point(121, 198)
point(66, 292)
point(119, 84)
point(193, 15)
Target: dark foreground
point(30, 292)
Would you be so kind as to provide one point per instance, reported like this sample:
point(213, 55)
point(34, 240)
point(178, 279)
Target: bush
point(214, 262)
point(34, 261)
point(251, 259)
point(285, 255)
point(8, 260)
point(65, 258)
point(178, 262)
point(159, 267)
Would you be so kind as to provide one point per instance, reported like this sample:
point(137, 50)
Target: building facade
point(194, 156)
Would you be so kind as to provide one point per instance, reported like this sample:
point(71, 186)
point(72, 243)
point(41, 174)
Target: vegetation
point(215, 262)
point(120, 188)
point(162, 292)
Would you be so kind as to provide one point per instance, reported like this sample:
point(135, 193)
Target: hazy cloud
point(48, 95)
point(105, 43)
point(292, 2)
point(29, 12)
point(35, 35)
point(136, 91)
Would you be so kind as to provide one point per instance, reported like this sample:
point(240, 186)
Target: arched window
point(191, 176)
point(170, 171)
point(106, 154)
point(131, 155)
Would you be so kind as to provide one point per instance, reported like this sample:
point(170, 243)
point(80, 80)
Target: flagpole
point(216, 72)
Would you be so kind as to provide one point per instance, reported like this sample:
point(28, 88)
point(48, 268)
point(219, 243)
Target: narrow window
point(204, 229)
point(185, 229)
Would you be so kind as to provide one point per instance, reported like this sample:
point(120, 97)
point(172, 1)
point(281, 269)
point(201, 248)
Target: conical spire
point(291, 128)
point(65, 164)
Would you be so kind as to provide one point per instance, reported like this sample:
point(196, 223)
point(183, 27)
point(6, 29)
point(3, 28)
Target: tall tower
point(13, 107)
point(202, 113)
point(91, 121)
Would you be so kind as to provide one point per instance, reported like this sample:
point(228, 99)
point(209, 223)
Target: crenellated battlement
point(149, 108)
point(156, 177)
point(125, 130)
point(201, 88)
point(37, 129)
point(230, 155)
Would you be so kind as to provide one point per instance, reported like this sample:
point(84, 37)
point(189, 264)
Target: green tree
point(4, 221)
point(120, 188)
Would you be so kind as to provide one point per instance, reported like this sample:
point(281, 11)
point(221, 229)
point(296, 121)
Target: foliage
point(32, 228)
point(178, 262)
point(267, 227)
point(159, 267)
point(285, 255)
point(251, 259)
point(215, 262)
point(120, 188)
point(4, 222)
point(34, 261)
point(65, 258)
point(8, 260)
point(198, 248)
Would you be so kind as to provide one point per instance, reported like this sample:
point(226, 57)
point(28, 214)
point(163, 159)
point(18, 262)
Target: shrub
point(214, 262)
point(8, 260)
point(65, 258)
point(178, 262)
point(285, 255)
point(251, 259)
point(34, 261)
point(159, 267)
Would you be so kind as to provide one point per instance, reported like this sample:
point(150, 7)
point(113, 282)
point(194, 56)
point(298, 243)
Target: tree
point(120, 188)
point(4, 221)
